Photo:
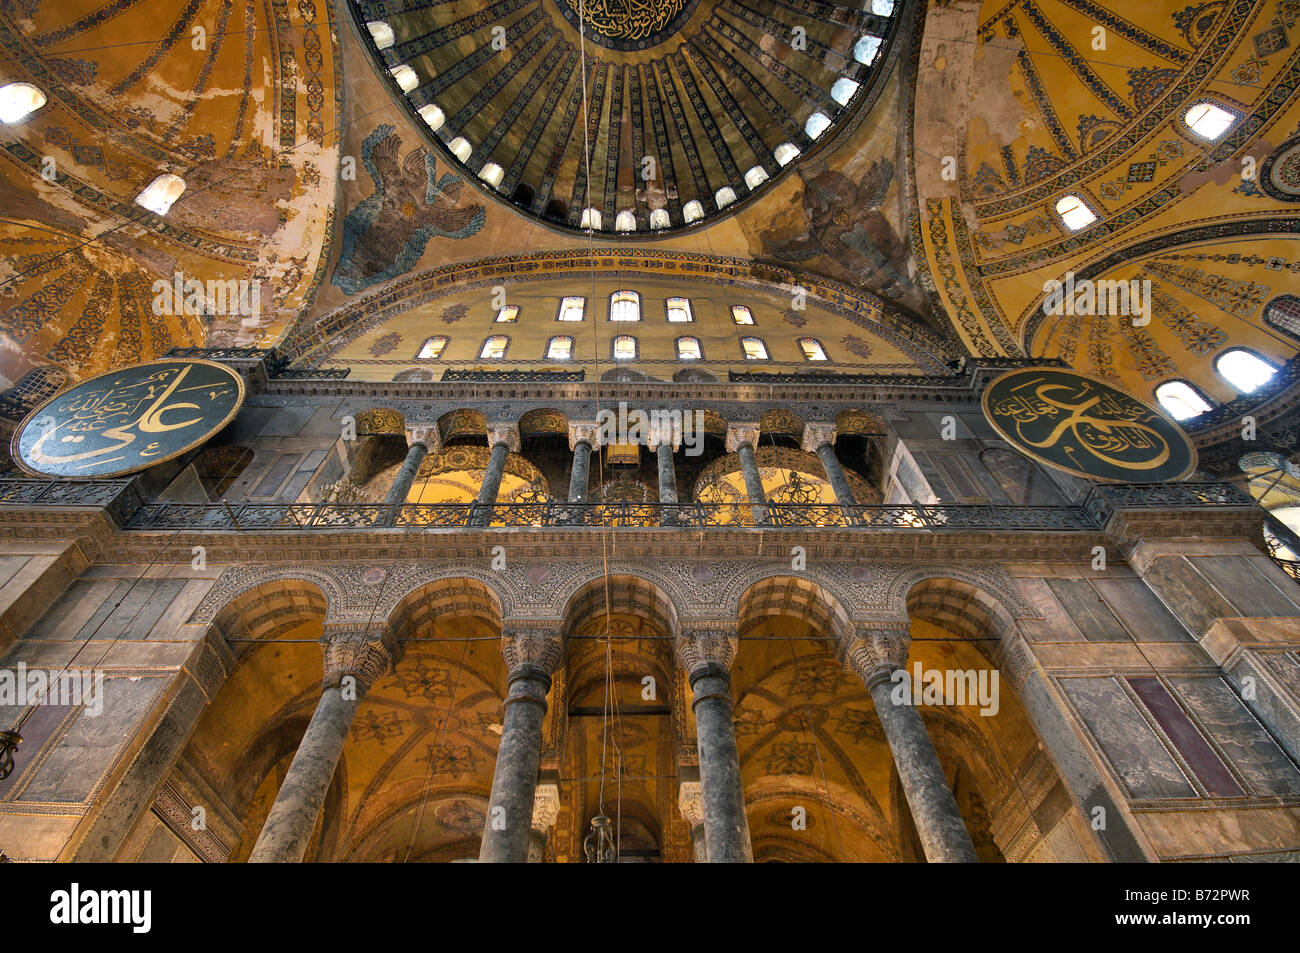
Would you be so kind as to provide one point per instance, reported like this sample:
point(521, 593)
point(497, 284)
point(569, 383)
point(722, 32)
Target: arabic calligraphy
point(627, 21)
point(1086, 427)
point(127, 420)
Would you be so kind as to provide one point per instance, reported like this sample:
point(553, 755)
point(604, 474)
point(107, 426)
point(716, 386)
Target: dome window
point(381, 33)
point(843, 91)
point(659, 218)
point(625, 222)
point(591, 219)
point(882, 8)
point(724, 196)
point(755, 177)
point(406, 77)
point(817, 123)
point(1243, 370)
point(1075, 213)
point(1208, 120)
point(1180, 401)
point(785, 153)
point(461, 148)
point(159, 195)
point(866, 49)
point(492, 174)
point(19, 100)
point(433, 116)
point(692, 211)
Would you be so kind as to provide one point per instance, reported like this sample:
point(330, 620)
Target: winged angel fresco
point(384, 235)
point(848, 229)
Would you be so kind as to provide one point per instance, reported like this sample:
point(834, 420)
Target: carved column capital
point(584, 430)
point(365, 653)
point(546, 807)
point(664, 433)
point(503, 433)
point(426, 434)
point(699, 647)
point(741, 435)
point(876, 650)
point(814, 435)
point(540, 648)
point(690, 802)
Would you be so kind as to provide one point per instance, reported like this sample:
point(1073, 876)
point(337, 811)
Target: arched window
point(433, 116)
point(755, 177)
point(559, 348)
point(159, 194)
point(659, 218)
point(843, 89)
point(1283, 313)
point(1208, 120)
point(1074, 212)
point(1243, 370)
point(741, 315)
point(724, 196)
point(434, 346)
point(625, 222)
point(882, 8)
point(495, 347)
point(406, 77)
point(1181, 401)
point(381, 33)
point(688, 349)
point(461, 148)
point(590, 219)
point(812, 349)
point(679, 311)
point(571, 309)
point(754, 348)
point(692, 211)
point(625, 306)
point(817, 123)
point(492, 174)
point(508, 315)
point(623, 348)
point(785, 153)
point(866, 49)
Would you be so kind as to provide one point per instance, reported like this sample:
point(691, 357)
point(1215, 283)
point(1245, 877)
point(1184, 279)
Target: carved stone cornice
point(584, 430)
point(690, 802)
point(426, 434)
point(700, 647)
point(363, 652)
point(814, 435)
point(875, 651)
point(540, 648)
point(546, 807)
point(741, 435)
point(503, 433)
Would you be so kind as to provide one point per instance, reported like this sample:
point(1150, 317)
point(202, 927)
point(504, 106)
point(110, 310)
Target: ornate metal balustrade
point(297, 516)
point(38, 494)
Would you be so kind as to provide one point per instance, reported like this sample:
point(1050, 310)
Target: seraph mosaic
point(386, 233)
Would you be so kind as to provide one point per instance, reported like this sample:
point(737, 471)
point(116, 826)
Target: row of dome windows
point(865, 51)
point(1244, 371)
point(1208, 120)
point(625, 306)
point(624, 347)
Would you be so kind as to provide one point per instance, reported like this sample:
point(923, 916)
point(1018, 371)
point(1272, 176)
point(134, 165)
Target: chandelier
point(797, 490)
point(599, 844)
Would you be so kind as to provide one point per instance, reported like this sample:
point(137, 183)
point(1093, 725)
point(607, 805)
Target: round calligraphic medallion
point(128, 420)
point(1087, 427)
point(627, 25)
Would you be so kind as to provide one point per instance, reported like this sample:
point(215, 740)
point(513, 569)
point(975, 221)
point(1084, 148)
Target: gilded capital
point(741, 435)
point(881, 648)
point(540, 647)
point(664, 433)
point(503, 433)
point(814, 435)
point(698, 647)
point(426, 434)
point(690, 802)
point(358, 651)
point(546, 807)
point(584, 431)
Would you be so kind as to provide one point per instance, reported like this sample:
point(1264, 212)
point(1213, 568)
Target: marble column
point(662, 443)
point(690, 803)
point(741, 440)
point(504, 440)
point(354, 658)
point(546, 810)
point(531, 658)
point(875, 654)
point(421, 441)
point(706, 656)
point(583, 438)
point(820, 439)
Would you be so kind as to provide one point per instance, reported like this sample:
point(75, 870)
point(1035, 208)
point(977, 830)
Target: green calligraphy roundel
point(128, 420)
point(1087, 427)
